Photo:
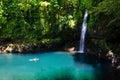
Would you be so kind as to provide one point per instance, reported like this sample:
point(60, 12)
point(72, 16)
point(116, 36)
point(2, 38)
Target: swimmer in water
point(34, 59)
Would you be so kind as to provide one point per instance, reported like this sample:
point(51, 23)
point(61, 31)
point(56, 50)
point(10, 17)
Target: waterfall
point(83, 31)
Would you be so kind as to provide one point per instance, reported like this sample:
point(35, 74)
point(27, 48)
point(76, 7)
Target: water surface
point(50, 66)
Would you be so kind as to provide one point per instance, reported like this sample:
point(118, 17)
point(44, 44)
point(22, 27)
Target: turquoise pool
point(50, 66)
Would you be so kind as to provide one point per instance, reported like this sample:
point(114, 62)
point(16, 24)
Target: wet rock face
point(28, 48)
point(15, 48)
point(12, 48)
point(9, 48)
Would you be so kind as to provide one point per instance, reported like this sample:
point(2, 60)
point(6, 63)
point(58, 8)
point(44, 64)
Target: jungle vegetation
point(34, 21)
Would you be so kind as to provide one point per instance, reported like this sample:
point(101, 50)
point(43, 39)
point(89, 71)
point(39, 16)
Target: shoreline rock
point(13, 48)
point(29, 48)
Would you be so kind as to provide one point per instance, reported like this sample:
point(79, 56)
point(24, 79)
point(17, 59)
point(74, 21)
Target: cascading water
point(83, 31)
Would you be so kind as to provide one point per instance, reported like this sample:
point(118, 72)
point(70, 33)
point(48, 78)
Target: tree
point(107, 22)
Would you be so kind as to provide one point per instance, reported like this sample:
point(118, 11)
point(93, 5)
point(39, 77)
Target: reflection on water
point(50, 66)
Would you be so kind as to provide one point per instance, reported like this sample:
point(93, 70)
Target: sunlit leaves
point(35, 20)
point(44, 3)
point(72, 23)
point(24, 6)
point(2, 18)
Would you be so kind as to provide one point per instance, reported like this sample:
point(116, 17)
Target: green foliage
point(36, 20)
point(110, 10)
point(107, 20)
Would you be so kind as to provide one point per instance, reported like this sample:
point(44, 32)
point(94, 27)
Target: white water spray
point(83, 31)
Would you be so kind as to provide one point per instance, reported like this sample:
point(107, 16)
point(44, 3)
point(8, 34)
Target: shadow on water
point(103, 68)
